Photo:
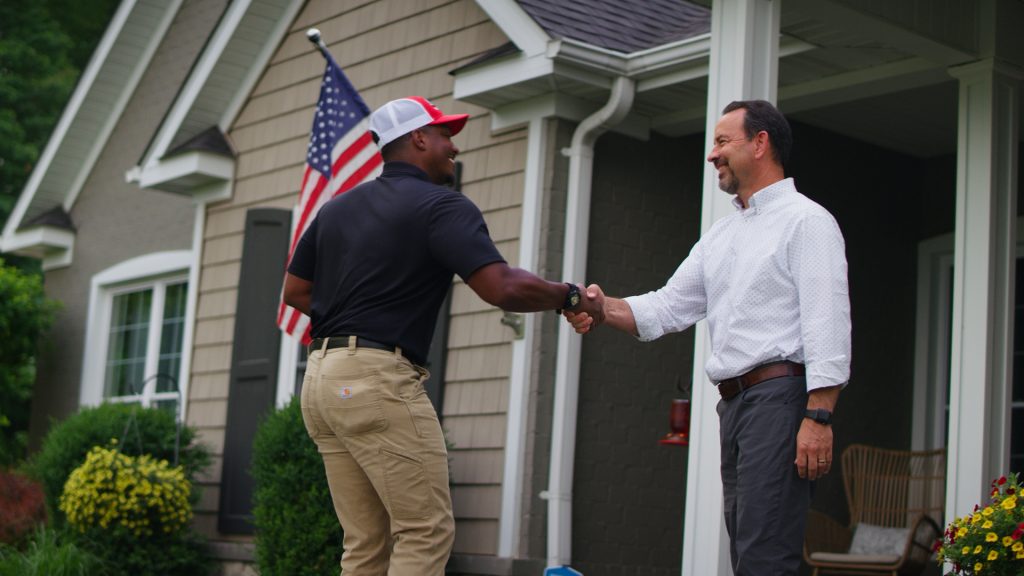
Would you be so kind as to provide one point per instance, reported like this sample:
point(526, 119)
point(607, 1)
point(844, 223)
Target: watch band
point(572, 298)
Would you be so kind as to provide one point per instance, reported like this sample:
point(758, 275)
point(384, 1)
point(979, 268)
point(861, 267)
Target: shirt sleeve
point(458, 236)
point(303, 261)
point(681, 303)
point(818, 263)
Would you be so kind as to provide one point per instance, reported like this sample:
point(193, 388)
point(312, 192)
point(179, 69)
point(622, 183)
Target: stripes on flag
point(341, 155)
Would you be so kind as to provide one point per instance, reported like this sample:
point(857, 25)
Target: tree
point(25, 314)
point(43, 47)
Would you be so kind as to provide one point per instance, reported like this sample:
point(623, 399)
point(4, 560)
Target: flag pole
point(313, 35)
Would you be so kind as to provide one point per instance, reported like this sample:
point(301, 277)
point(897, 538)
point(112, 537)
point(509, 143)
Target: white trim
point(131, 273)
point(74, 105)
point(560, 105)
point(931, 345)
point(288, 354)
point(509, 71)
point(122, 102)
point(191, 307)
point(517, 416)
point(519, 26)
point(54, 246)
point(183, 173)
point(196, 81)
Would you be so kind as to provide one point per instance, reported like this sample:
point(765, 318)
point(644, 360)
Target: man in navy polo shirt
point(371, 272)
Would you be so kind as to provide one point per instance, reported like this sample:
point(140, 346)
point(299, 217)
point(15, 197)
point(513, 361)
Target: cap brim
point(455, 122)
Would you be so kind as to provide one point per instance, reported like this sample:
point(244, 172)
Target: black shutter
point(437, 356)
point(254, 359)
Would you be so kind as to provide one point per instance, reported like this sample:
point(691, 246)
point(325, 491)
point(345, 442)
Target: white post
point(744, 66)
point(984, 259)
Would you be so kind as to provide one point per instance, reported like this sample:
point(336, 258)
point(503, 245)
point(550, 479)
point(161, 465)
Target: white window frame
point(151, 270)
point(931, 348)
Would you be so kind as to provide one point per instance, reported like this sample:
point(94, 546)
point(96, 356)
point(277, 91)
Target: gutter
point(574, 266)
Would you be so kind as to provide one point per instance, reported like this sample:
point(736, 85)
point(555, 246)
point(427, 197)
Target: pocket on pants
point(407, 485)
point(352, 406)
point(307, 408)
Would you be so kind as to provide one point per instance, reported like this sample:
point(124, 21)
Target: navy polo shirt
point(382, 256)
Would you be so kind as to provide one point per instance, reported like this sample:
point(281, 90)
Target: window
point(144, 347)
point(138, 332)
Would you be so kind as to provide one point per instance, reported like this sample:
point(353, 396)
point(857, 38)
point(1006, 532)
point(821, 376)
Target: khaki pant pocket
point(407, 485)
point(352, 406)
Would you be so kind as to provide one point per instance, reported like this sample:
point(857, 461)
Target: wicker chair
point(895, 500)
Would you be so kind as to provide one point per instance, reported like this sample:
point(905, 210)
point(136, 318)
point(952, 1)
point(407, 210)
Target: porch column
point(983, 281)
point(744, 66)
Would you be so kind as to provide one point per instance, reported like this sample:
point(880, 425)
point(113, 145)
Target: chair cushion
point(871, 540)
point(833, 558)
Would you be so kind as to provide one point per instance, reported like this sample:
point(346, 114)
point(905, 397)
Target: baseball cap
point(399, 117)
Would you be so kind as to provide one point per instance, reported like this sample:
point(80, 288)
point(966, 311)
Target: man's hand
point(813, 449)
point(591, 311)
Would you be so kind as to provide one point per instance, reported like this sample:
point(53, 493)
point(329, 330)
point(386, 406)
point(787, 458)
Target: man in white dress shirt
point(771, 281)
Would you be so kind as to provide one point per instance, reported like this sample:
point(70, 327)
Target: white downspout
point(574, 268)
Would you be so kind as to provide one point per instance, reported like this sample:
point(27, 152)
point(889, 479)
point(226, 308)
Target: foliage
point(21, 507)
point(297, 532)
point(989, 540)
point(180, 554)
point(49, 554)
point(68, 442)
point(25, 314)
point(137, 494)
point(43, 46)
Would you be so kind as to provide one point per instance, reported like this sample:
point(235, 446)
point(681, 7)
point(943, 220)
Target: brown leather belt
point(733, 386)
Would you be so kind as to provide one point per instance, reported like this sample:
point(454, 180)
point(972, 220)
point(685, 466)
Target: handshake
point(590, 313)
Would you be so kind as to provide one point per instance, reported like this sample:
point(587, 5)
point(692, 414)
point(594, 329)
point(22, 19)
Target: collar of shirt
point(765, 196)
point(393, 169)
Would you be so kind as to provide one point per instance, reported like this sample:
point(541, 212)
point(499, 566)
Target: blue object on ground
point(561, 571)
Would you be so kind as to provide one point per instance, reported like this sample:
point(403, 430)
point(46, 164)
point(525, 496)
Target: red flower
point(936, 545)
point(1017, 533)
point(1002, 480)
point(1010, 491)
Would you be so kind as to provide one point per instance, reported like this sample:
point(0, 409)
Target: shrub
point(25, 314)
point(122, 554)
point(21, 507)
point(297, 532)
point(138, 495)
point(68, 442)
point(49, 554)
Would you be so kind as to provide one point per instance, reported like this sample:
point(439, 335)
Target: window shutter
point(254, 359)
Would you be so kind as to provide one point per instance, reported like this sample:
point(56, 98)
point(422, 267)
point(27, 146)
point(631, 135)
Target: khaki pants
point(385, 458)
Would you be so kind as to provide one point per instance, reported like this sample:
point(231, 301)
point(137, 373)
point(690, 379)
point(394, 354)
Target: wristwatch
point(572, 299)
point(819, 415)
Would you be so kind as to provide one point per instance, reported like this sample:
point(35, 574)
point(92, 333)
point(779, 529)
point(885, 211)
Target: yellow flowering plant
point(114, 491)
point(990, 540)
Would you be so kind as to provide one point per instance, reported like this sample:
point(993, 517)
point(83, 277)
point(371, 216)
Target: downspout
point(574, 268)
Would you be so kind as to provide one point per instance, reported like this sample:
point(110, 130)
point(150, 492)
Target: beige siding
point(388, 49)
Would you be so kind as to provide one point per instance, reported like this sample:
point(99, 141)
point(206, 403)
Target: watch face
point(574, 300)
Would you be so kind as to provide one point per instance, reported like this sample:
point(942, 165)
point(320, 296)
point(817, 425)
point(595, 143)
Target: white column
point(744, 66)
point(983, 281)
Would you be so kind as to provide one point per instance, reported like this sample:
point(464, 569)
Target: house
point(169, 186)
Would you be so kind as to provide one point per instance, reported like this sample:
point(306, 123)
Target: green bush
point(123, 554)
point(49, 554)
point(25, 314)
point(297, 532)
point(65, 447)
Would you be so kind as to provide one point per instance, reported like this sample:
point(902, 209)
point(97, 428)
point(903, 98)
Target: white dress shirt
point(771, 281)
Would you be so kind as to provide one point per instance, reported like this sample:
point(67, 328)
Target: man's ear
point(419, 139)
point(761, 144)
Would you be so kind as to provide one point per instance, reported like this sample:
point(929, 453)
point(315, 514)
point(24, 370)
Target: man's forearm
point(619, 315)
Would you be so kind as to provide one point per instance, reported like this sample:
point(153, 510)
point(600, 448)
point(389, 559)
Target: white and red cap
point(399, 117)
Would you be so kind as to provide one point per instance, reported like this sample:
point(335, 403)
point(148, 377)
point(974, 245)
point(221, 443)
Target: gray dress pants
point(766, 501)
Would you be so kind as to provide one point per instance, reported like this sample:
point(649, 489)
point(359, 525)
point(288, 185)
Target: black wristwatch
point(572, 299)
point(819, 415)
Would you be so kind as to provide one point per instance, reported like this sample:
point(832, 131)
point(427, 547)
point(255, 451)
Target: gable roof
point(102, 92)
point(624, 25)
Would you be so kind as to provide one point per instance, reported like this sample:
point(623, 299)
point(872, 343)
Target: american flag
point(341, 154)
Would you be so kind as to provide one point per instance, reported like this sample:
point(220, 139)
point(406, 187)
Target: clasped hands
point(590, 313)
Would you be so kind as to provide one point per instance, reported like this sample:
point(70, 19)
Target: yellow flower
point(1018, 546)
point(967, 550)
point(1007, 541)
point(1010, 503)
point(961, 533)
point(991, 537)
point(992, 555)
point(978, 566)
point(987, 524)
point(977, 549)
point(988, 511)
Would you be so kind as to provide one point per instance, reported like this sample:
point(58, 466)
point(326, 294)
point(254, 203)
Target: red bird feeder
point(678, 421)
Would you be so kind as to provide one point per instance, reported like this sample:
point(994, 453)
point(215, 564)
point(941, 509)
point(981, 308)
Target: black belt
point(733, 386)
point(342, 342)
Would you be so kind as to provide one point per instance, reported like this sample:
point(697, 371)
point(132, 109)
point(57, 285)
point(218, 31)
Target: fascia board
point(239, 13)
point(560, 105)
point(51, 245)
point(197, 79)
point(168, 174)
point(520, 28)
point(82, 91)
point(506, 72)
